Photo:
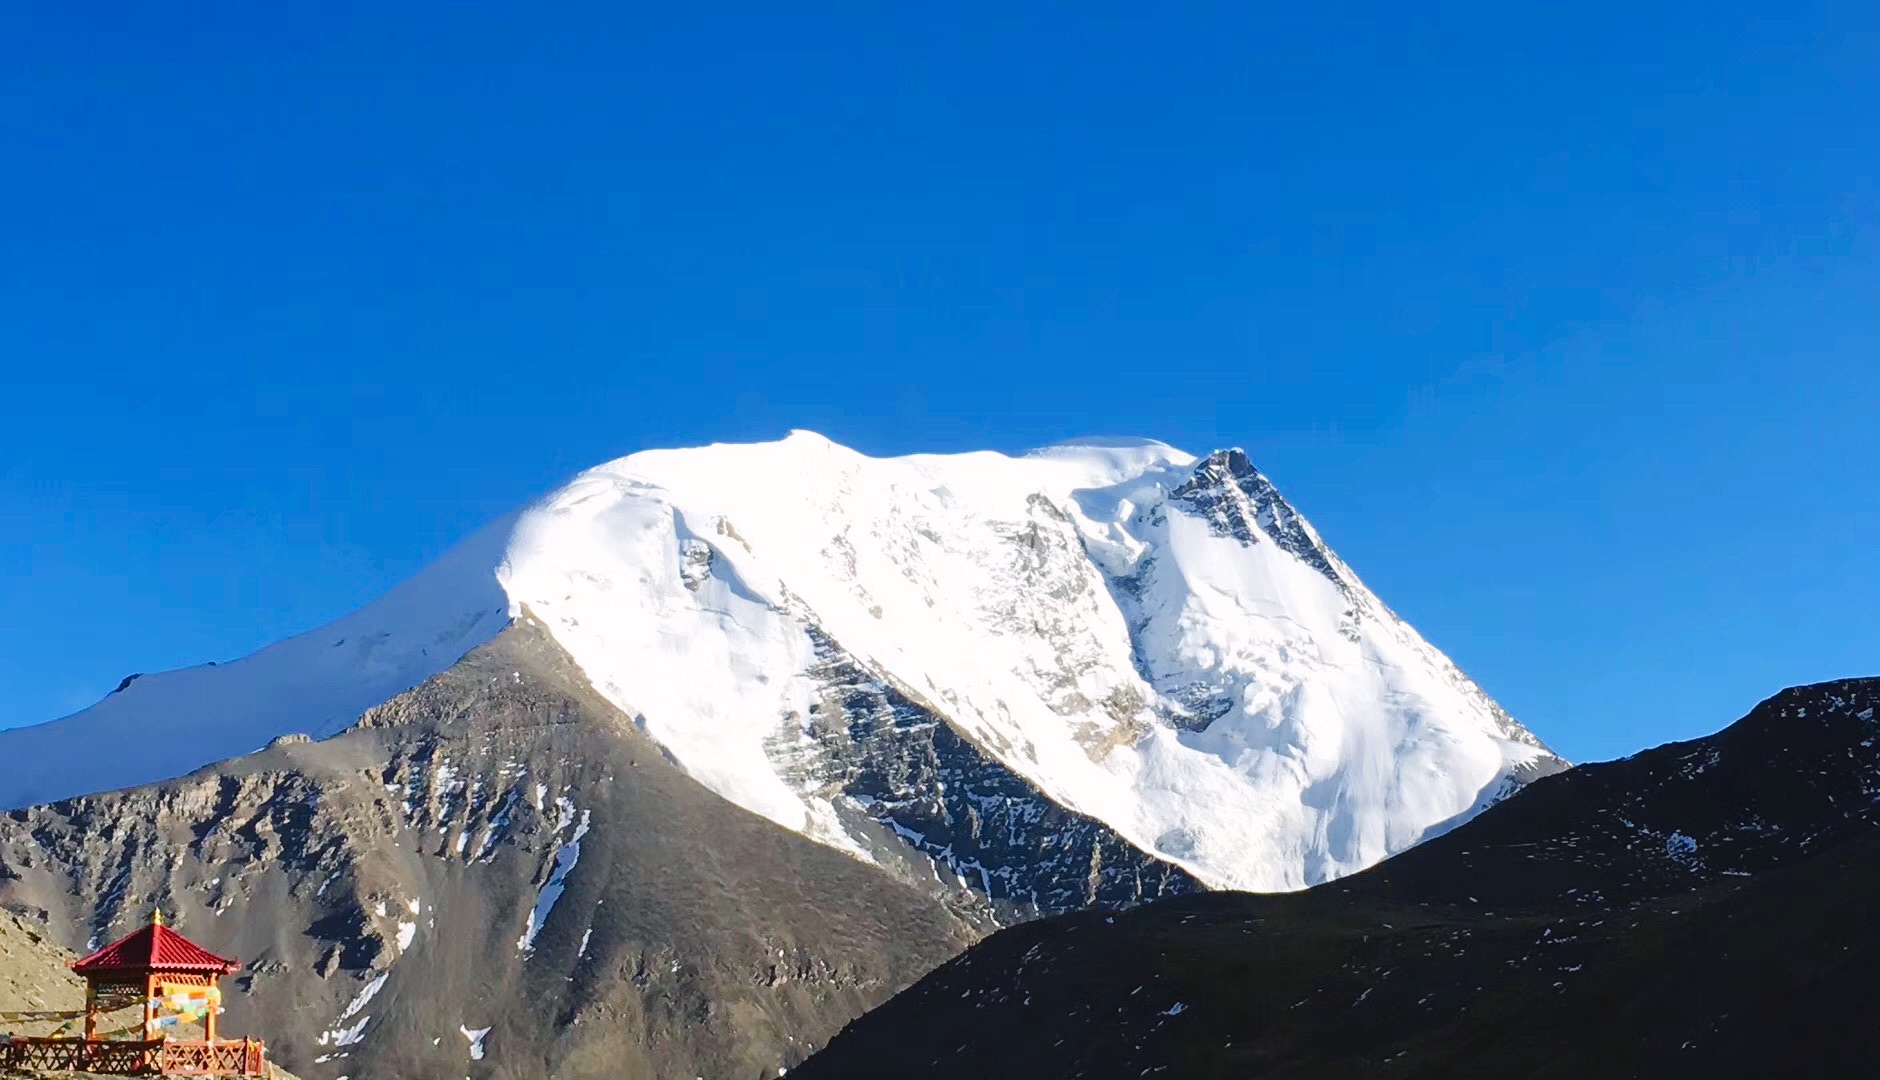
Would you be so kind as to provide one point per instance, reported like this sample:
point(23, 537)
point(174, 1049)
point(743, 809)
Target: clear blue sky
point(1562, 324)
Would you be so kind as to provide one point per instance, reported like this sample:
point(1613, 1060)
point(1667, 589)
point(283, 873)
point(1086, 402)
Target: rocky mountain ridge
point(1701, 909)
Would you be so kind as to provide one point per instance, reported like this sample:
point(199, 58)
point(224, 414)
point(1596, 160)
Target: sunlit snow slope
point(1158, 642)
point(153, 727)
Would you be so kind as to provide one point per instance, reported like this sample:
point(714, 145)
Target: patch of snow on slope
point(343, 1034)
point(565, 859)
point(476, 1038)
point(499, 822)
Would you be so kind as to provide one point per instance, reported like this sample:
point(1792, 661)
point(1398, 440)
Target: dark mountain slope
point(1709, 908)
point(494, 874)
point(1800, 773)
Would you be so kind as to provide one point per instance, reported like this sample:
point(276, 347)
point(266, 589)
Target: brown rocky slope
point(495, 875)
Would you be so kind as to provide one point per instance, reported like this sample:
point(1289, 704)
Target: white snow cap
point(1160, 643)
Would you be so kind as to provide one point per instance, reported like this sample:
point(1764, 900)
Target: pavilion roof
point(155, 948)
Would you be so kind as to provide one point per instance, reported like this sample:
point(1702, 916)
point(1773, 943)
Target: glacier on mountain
point(1158, 642)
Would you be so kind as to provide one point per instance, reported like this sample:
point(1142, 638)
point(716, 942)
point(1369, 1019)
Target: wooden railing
point(166, 1057)
point(223, 1057)
point(78, 1055)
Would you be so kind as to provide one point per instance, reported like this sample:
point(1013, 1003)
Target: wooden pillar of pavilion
point(150, 998)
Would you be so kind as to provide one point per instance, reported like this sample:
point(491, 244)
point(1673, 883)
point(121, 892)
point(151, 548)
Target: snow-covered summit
point(1160, 643)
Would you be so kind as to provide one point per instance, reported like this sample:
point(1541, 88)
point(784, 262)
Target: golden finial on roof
point(156, 916)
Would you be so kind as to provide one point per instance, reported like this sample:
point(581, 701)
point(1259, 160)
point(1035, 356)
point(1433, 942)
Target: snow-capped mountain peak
point(1161, 644)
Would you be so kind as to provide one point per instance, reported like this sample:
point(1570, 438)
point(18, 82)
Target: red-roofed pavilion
point(130, 970)
point(154, 967)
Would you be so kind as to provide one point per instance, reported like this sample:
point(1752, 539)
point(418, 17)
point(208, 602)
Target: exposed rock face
point(1702, 909)
point(972, 823)
point(494, 874)
point(1239, 501)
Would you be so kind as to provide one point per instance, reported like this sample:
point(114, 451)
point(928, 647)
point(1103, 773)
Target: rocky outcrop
point(974, 826)
point(1237, 500)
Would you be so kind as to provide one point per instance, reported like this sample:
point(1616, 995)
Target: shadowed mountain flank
point(1707, 908)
